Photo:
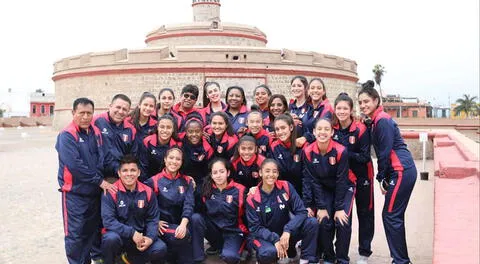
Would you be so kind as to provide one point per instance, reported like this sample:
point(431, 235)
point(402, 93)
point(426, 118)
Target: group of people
point(149, 185)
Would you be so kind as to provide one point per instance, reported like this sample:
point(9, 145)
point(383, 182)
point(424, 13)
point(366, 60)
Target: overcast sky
point(430, 48)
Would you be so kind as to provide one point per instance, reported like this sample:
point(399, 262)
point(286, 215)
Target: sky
point(430, 49)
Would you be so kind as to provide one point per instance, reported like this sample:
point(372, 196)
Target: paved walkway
point(31, 222)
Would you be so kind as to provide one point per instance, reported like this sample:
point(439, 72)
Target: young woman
point(262, 94)
point(223, 212)
point(222, 139)
point(277, 219)
point(212, 100)
point(174, 193)
point(285, 152)
point(396, 170)
point(236, 108)
point(152, 151)
point(166, 99)
point(299, 106)
point(319, 107)
point(354, 136)
point(142, 116)
point(246, 162)
point(329, 191)
point(277, 105)
point(255, 129)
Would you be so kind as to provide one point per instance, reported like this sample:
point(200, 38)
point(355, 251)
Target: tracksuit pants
point(180, 250)
point(364, 201)
point(231, 244)
point(308, 233)
point(81, 222)
point(113, 245)
point(330, 228)
point(400, 188)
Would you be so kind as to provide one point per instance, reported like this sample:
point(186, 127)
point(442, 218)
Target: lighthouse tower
point(206, 10)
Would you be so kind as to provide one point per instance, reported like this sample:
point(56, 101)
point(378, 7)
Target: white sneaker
point(362, 260)
point(305, 261)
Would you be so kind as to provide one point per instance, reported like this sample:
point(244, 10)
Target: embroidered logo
point(285, 196)
point(121, 204)
point(392, 182)
point(212, 197)
point(296, 158)
point(350, 189)
point(280, 156)
point(366, 183)
point(105, 131)
point(315, 114)
point(282, 206)
point(315, 161)
point(332, 160)
point(255, 174)
point(201, 157)
point(140, 204)
point(241, 120)
point(351, 139)
point(165, 189)
point(263, 148)
point(219, 149)
point(81, 140)
point(181, 189)
point(125, 137)
point(154, 152)
point(279, 200)
point(240, 173)
point(268, 209)
point(335, 137)
point(229, 199)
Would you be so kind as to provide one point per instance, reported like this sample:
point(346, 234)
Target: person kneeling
point(130, 217)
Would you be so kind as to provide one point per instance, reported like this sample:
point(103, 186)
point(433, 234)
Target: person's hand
point(297, 122)
point(252, 190)
point(322, 214)
point(181, 231)
point(137, 238)
point(146, 243)
point(281, 252)
point(241, 130)
point(341, 217)
point(285, 240)
point(162, 227)
point(310, 212)
point(299, 142)
point(108, 187)
point(193, 182)
point(383, 186)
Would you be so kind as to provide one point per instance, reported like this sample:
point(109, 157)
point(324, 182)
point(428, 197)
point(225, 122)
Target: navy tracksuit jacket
point(182, 117)
point(152, 155)
point(175, 201)
point(397, 168)
point(118, 140)
point(331, 188)
point(323, 110)
point(81, 159)
point(123, 213)
point(207, 111)
point(262, 140)
point(290, 166)
point(223, 223)
point(240, 119)
point(225, 147)
point(356, 138)
point(301, 112)
point(246, 173)
point(269, 215)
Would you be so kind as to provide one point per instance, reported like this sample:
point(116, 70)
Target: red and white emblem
point(219, 149)
point(285, 196)
point(201, 157)
point(351, 139)
point(279, 200)
point(241, 120)
point(229, 199)
point(255, 174)
point(140, 204)
point(125, 137)
point(296, 158)
point(181, 189)
point(332, 160)
point(315, 114)
point(263, 148)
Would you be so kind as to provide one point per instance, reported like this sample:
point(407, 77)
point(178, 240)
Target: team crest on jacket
point(241, 120)
point(351, 139)
point(125, 137)
point(201, 157)
point(263, 149)
point(255, 174)
point(296, 158)
point(229, 199)
point(279, 200)
point(285, 196)
point(332, 160)
point(219, 149)
point(315, 114)
point(141, 204)
point(181, 189)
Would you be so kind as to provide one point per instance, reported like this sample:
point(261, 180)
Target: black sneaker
point(211, 251)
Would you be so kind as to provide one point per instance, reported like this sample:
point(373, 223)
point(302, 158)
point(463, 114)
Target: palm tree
point(466, 104)
point(379, 71)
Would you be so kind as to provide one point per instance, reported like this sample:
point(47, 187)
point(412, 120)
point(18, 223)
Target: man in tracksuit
point(130, 217)
point(80, 157)
point(117, 133)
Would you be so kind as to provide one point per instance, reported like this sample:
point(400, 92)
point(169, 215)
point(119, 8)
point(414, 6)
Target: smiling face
point(219, 173)
point(147, 106)
point(83, 115)
point(166, 99)
point(194, 132)
point(218, 125)
point(343, 111)
point(247, 150)
point(173, 161)
point(269, 173)
point(213, 93)
point(297, 89)
point(254, 122)
point(277, 107)
point(367, 104)
point(234, 99)
point(118, 110)
point(323, 131)
point(128, 174)
point(283, 130)
point(316, 90)
point(261, 96)
point(165, 130)
point(188, 100)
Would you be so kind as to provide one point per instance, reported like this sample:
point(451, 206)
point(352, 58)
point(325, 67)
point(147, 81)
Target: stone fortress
point(206, 49)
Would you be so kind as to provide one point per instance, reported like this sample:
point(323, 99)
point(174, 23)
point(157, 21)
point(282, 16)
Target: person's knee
point(197, 221)
point(326, 224)
point(158, 250)
point(230, 256)
point(310, 224)
point(267, 255)
point(111, 240)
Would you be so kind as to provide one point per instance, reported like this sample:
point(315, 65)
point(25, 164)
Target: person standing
point(80, 159)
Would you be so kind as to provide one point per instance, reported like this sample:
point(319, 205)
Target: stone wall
point(206, 40)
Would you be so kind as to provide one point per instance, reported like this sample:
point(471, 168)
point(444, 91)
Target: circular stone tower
point(206, 49)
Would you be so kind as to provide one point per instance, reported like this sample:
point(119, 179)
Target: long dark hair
point(293, 136)
point(246, 138)
point(229, 129)
point(342, 97)
point(270, 101)
point(208, 182)
point(170, 117)
point(135, 115)
point(206, 101)
point(304, 81)
point(244, 99)
point(368, 88)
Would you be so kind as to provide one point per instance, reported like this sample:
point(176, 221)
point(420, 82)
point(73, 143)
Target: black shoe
point(211, 251)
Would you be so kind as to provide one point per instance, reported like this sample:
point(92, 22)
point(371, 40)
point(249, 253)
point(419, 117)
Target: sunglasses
point(191, 96)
